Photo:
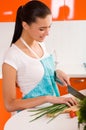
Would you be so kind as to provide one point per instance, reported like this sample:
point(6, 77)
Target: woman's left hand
point(63, 77)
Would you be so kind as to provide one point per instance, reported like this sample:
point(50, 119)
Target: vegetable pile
point(52, 111)
point(82, 111)
point(82, 114)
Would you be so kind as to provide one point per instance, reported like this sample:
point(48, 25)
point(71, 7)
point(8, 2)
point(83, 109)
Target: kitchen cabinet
point(78, 83)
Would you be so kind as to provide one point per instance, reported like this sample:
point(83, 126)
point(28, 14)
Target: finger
point(63, 81)
point(73, 102)
point(68, 104)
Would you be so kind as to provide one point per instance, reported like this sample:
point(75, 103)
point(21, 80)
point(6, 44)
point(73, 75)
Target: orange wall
point(4, 115)
point(79, 9)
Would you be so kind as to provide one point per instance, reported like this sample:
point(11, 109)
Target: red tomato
point(72, 114)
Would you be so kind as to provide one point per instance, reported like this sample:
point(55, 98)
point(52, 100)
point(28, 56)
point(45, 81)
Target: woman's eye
point(41, 29)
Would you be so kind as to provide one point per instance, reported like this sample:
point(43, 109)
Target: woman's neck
point(29, 47)
point(29, 40)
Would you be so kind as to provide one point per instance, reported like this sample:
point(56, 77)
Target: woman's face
point(40, 29)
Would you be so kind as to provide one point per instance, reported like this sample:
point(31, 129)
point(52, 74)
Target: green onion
point(51, 111)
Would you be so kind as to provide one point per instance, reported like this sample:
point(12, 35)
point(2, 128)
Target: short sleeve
point(10, 58)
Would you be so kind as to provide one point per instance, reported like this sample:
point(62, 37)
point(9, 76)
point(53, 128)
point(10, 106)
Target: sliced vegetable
point(72, 114)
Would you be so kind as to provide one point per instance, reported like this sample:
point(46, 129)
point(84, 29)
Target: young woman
point(28, 64)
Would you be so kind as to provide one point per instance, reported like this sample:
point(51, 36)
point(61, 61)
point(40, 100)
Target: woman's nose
point(47, 31)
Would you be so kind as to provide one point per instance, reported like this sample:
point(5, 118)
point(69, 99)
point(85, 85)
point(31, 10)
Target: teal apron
point(47, 85)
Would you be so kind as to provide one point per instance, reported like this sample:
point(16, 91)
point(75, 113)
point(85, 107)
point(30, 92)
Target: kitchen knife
point(71, 90)
point(75, 93)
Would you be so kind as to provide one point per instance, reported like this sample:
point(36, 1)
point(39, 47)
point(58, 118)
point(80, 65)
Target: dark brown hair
point(28, 13)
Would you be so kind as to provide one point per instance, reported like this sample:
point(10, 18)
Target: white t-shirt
point(29, 70)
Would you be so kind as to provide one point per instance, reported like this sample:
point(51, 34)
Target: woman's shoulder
point(11, 51)
point(10, 54)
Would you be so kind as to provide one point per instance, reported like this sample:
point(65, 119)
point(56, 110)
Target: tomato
point(72, 114)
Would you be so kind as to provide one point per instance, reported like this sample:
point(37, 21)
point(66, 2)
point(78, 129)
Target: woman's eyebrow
point(46, 26)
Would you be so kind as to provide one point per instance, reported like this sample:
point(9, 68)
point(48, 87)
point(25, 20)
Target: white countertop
point(21, 121)
point(73, 70)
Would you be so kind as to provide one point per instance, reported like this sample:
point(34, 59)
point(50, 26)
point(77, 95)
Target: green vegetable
point(82, 113)
point(51, 111)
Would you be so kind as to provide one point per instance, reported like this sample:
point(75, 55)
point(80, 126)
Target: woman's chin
point(41, 40)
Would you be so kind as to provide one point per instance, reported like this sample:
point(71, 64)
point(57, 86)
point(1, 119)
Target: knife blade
point(75, 92)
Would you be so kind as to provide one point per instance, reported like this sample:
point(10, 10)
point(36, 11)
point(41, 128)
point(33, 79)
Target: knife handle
point(57, 79)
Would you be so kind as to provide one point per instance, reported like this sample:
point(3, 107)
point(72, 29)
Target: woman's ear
point(25, 25)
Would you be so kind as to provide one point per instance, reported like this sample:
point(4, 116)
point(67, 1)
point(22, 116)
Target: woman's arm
point(9, 92)
point(12, 103)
